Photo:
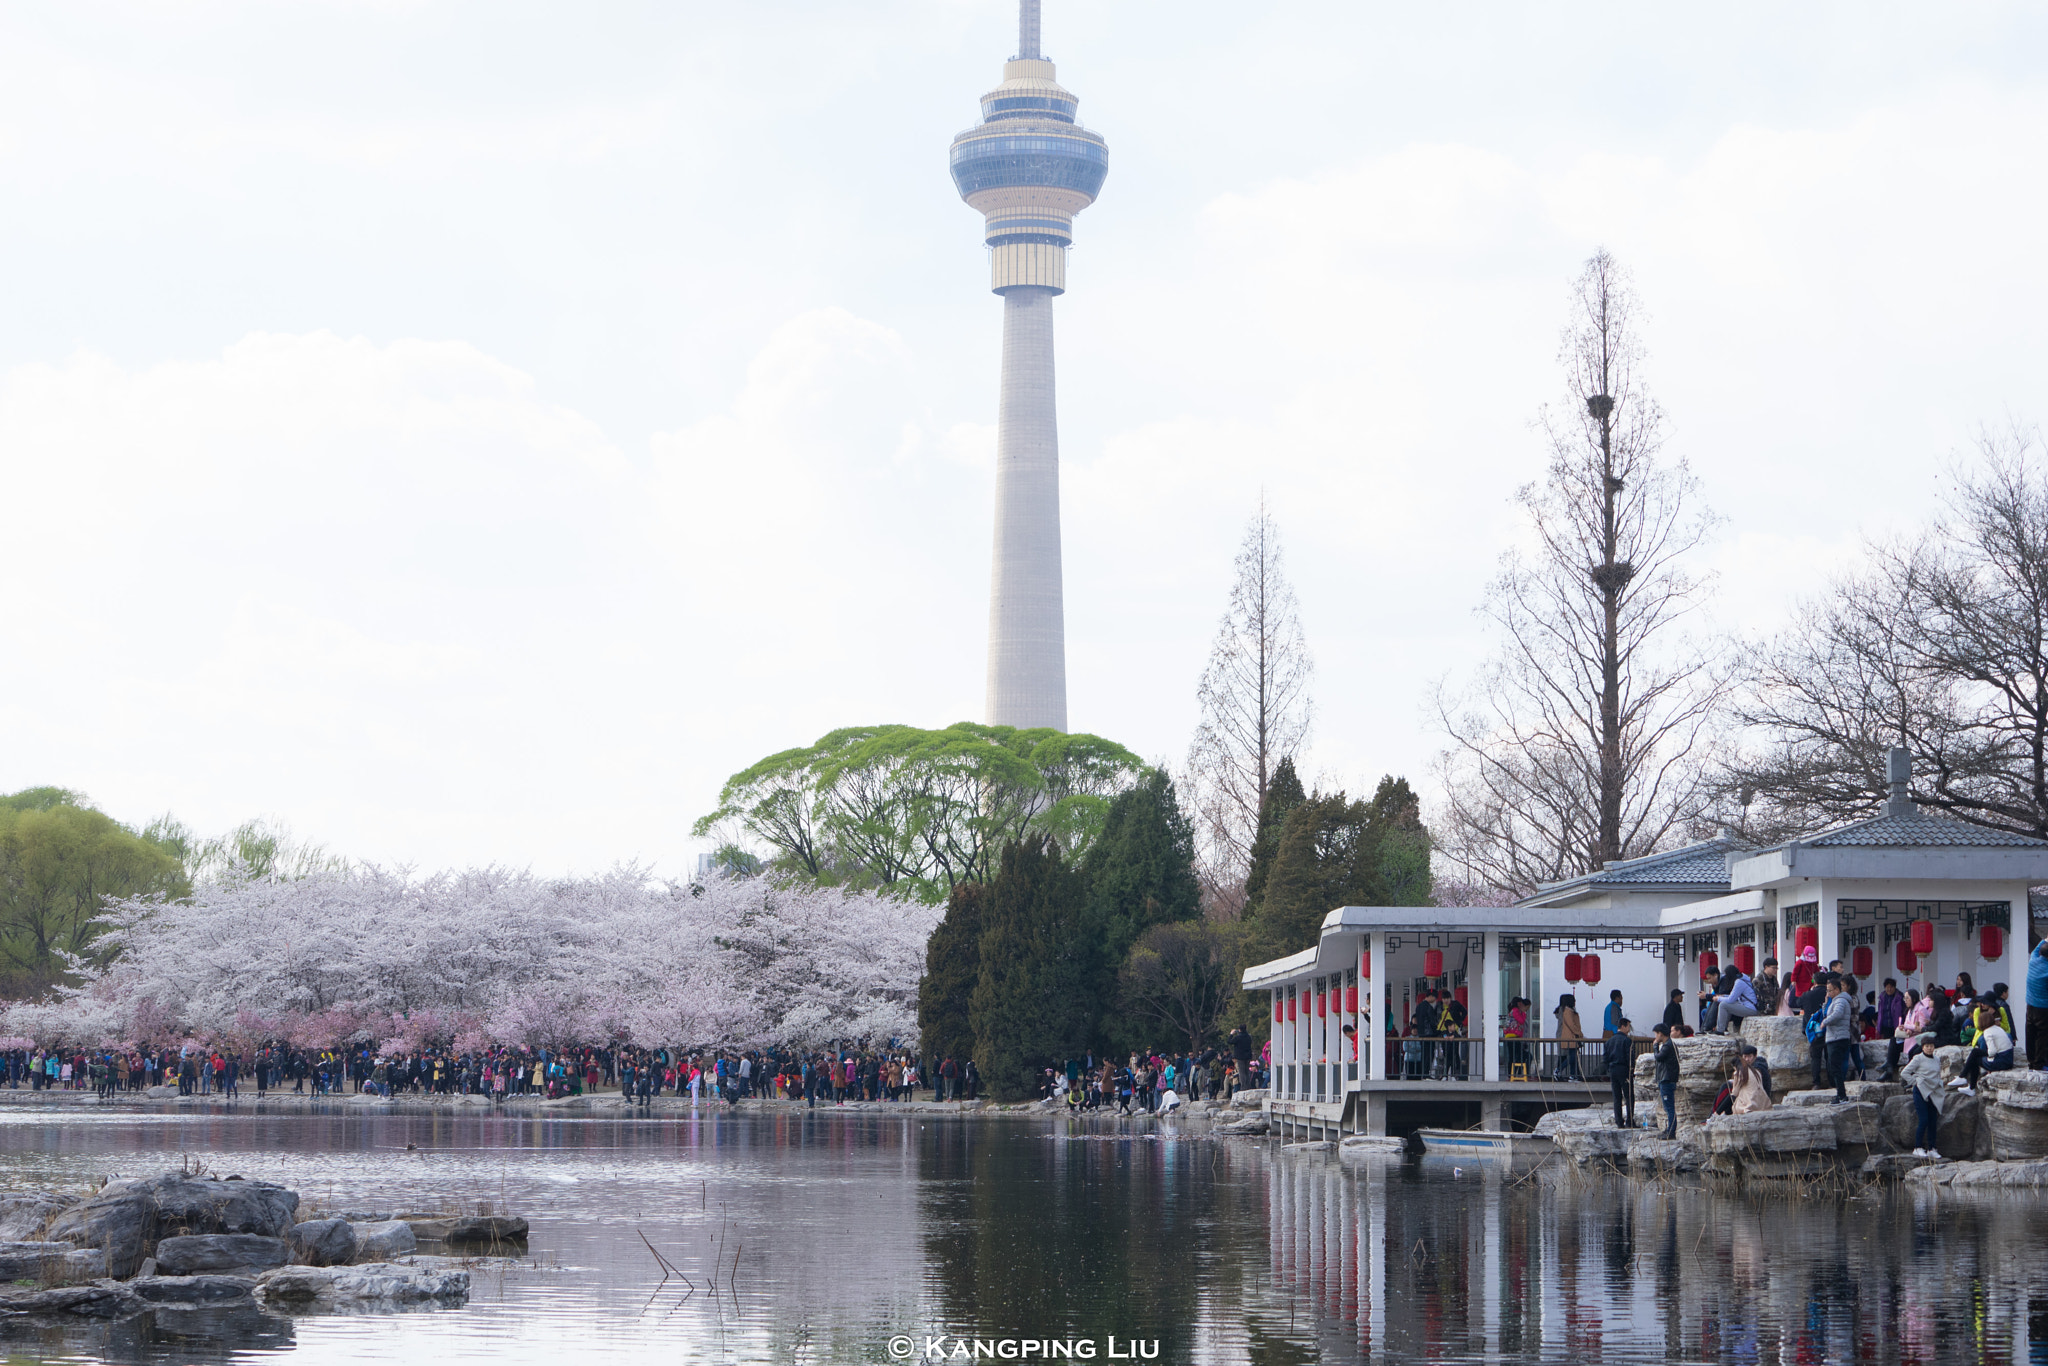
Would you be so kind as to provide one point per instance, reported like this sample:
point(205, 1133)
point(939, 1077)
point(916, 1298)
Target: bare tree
point(1939, 644)
point(1579, 743)
point(1256, 710)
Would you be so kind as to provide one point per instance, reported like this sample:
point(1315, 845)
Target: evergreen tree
point(1141, 869)
point(1334, 852)
point(1283, 793)
point(952, 967)
point(1140, 873)
point(1032, 1006)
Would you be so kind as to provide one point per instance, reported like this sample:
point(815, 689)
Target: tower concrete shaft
point(1027, 627)
point(1028, 167)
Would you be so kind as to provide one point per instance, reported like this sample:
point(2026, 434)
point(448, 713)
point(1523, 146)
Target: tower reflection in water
point(1391, 1261)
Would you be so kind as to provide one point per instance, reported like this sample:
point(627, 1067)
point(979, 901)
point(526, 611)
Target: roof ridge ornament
point(1899, 774)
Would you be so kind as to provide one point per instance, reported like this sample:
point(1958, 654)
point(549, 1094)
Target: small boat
point(1483, 1143)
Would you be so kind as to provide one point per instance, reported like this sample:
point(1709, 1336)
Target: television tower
point(1028, 168)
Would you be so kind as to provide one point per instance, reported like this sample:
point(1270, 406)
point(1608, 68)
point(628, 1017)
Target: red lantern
point(1351, 1000)
point(1290, 1005)
point(1908, 961)
point(1573, 966)
point(1365, 963)
point(1463, 999)
point(1322, 998)
point(1990, 942)
point(1923, 937)
point(1710, 965)
point(1861, 961)
point(1590, 968)
point(1279, 1011)
point(1804, 938)
point(1433, 963)
point(1745, 959)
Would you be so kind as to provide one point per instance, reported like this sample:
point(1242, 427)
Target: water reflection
point(1405, 1262)
point(818, 1238)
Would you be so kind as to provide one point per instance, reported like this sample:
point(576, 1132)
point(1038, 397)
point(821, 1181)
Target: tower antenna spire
point(1027, 29)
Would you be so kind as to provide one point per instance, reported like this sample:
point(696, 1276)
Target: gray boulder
point(192, 1289)
point(1957, 1134)
point(102, 1300)
point(127, 1218)
point(1249, 1099)
point(372, 1281)
point(26, 1216)
point(56, 1261)
point(1900, 1121)
point(1301, 1149)
point(1587, 1146)
point(323, 1242)
point(1857, 1125)
point(226, 1254)
point(1659, 1154)
point(1890, 1166)
point(1780, 1040)
point(1360, 1146)
point(1951, 1059)
point(488, 1228)
point(1995, 1175)
point(385, 1241)
point(1557, 1121)
point(2015, 1110)
point(1781, 1129)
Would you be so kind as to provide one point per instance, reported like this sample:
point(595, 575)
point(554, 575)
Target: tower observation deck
point(1028, 168)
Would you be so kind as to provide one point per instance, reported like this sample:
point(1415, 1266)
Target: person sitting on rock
point(1737, 1003)
point(1749, 1091)
point(1992, 1052)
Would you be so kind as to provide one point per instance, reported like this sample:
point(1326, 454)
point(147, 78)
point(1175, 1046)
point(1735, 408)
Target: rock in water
point(378, 1281)
point(2015, 1109)
point(27, 1216)
point(192, 1289)
point(385, 1241)
point(127, 1218)
point(487, 1228)
point(61, 1261)
point(324, 1242)
point(226, 1254)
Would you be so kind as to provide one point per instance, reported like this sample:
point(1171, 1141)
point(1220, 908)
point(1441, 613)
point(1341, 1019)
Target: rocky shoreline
point(2000, 1134)
point(186, 1241)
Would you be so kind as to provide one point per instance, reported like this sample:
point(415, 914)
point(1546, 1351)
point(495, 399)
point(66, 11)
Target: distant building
point(1029, 168)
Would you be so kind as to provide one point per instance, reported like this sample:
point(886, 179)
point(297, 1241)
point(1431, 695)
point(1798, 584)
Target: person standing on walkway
point(1621, 1055)
point(2037, 1006)
point(1568, 1036)
point(1665, 1054)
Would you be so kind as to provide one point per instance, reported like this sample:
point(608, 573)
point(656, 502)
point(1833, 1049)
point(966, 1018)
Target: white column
point(1830, 929)
point(1376, 1050)
point(1489, 1005)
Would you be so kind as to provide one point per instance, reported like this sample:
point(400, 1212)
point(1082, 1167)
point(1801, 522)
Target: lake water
point(821, 1239)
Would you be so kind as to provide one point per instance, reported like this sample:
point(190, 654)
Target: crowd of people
point(1840, 1018)
point(1157, 1083)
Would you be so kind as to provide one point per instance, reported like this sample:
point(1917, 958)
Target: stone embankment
point(1997, 1136)
point(183, 1241)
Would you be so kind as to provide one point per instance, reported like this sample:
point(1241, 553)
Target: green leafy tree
point(921, 811)
point(1032, 1006)
point(952, 968)
point(60, 861)
point(1182, 978)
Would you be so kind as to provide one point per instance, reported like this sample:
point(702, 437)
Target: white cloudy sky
point(467, 432)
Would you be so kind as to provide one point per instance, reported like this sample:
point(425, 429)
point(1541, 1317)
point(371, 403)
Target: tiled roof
point(1697, 865)
point(1920, 830)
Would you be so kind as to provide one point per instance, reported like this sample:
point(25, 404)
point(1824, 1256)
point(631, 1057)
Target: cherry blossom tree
point(491, 956)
